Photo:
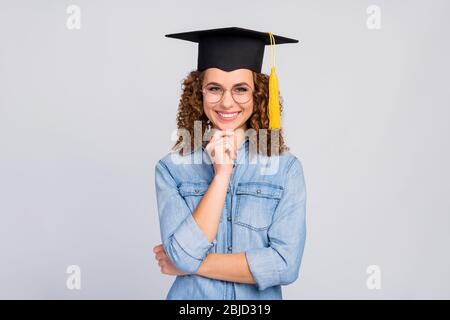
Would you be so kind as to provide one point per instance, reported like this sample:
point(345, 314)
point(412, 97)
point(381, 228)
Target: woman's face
point(227, 113)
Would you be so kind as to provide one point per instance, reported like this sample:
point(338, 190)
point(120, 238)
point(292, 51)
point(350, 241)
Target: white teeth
point(228, 115)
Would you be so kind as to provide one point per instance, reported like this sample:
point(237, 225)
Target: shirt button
point(196, 191)
point(230, 248)
point(258, 190)
point(229, 218)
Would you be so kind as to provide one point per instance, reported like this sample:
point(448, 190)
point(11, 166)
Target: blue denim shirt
point(263, 216)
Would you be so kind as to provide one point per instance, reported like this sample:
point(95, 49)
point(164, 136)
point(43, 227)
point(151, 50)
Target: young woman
point(231, 202)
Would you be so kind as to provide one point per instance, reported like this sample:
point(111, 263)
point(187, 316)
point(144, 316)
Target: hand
point(164, 262)
point(222, 151)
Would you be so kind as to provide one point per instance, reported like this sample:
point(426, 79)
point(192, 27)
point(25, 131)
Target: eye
point(214, 89)
point(241, 89)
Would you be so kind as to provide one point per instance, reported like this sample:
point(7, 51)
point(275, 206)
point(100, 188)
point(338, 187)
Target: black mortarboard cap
point(230, 48)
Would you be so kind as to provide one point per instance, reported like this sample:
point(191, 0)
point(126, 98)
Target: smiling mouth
point(228, 116)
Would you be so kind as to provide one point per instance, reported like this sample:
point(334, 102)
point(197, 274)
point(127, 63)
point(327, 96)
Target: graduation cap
point(236, 48)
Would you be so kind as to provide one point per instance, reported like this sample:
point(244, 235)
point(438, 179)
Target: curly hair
point(190, 110)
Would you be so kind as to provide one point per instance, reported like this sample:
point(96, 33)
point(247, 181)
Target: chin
point(226, 126)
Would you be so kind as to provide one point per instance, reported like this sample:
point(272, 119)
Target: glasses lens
point(242, 94)
point(213, 93)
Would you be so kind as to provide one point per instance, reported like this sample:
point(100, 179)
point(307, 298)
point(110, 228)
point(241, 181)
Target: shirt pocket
point(256, 203)
point(192, 192)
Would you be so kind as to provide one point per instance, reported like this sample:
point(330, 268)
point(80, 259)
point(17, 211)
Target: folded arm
point(279, 262)
point(226, 266)
point(188, 236)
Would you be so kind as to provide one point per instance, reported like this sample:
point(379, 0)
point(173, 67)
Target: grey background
point(85, 114)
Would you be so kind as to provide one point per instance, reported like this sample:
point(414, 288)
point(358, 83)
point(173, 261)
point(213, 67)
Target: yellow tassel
point(273, 108)
point(274, 101)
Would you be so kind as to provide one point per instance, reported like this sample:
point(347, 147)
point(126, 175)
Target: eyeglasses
point(241, 94)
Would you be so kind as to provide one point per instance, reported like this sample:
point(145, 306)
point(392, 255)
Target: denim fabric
point(264, 215)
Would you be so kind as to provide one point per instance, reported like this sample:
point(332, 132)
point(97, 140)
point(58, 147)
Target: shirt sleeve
point(184, 242)
point(279, 263)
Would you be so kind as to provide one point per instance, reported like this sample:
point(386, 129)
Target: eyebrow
point(237, 84)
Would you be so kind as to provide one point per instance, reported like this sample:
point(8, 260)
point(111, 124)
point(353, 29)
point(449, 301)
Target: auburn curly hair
point(190, 110)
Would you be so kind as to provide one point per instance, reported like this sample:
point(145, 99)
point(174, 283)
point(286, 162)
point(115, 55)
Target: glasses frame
point(225, 90)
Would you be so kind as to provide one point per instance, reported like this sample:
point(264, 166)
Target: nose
point(227, 99)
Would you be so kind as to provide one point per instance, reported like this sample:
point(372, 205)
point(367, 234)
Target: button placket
point(236, 167)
